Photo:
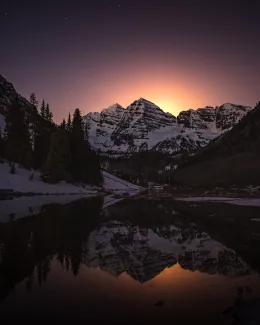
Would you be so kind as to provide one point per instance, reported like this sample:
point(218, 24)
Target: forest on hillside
point(32, 140)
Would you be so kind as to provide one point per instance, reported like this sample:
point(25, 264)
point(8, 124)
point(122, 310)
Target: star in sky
point(117, 6)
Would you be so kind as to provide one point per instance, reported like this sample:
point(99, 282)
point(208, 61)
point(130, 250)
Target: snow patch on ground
point(20, 182)
point(231, 200)
point(119, 186)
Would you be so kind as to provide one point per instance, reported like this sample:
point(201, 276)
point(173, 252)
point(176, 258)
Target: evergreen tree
point(69, 123)
point(43, 132)
point(33, 100)
point(43, 110)
point(94, 171)
point(48, 113)
point(77, 125)
point(63, 125)
point(2, 145)
point(31, 113)
point(78, 167)
point(18, 147)
point(85, 165)
point(58, 160)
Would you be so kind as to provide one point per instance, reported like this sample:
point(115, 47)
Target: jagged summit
point(145, 126)
point(114, 107)
point(232, 159)
point(143, 104)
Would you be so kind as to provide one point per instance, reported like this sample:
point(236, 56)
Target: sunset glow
point(174, 55)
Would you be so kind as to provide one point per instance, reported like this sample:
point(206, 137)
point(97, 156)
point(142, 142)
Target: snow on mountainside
point(144, 126)
point(229, 115)
point(101, 125)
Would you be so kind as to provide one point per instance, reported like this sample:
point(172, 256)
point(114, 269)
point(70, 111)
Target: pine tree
point(2, 146)
point(48, 113)
point(31, 113)
point(18, 147)
point(69, 123)
point(77, 125)
point(33, 100)
point(63, 125)
point(43, 110)
point(85, 165)
point(78, 167)
point(58, 160)
point(42, 142)
point(51, 117)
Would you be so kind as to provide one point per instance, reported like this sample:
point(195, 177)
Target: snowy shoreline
point(242, 201)
point(28, 183)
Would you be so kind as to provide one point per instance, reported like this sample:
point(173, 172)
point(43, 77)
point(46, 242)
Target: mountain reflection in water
point(130, 257)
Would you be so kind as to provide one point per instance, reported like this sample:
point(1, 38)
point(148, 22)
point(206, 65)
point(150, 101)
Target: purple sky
point(91, 54)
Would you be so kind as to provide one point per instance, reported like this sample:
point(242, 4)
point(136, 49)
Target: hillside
point(26, 181)
point(234, 158)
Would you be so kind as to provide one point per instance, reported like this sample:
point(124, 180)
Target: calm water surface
point(134, 261)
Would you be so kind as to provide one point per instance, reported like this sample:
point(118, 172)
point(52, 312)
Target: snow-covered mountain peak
point(114, 107)
point(228, 114)
point(143, 104)
point(145, 126)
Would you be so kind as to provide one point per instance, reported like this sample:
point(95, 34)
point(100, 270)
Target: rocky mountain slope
point(234, 158)
point(144, 126)
point(7, 95)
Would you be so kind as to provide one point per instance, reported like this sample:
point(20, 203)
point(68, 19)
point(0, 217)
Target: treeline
point(143, 167)
point(62, 153)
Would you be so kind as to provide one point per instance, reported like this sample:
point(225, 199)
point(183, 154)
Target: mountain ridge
point(232, 159)
point(141, 126)
point(145, 126)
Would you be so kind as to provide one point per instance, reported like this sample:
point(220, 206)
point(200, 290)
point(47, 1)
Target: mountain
point(117, 247)
point(233, 158)
point(100, 126)
point(7, 95)
point(144, 126)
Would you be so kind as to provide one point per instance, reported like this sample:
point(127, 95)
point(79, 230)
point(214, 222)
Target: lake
point(133, 261)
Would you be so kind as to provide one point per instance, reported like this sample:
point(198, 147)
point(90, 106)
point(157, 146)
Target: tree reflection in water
point(139, 237)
